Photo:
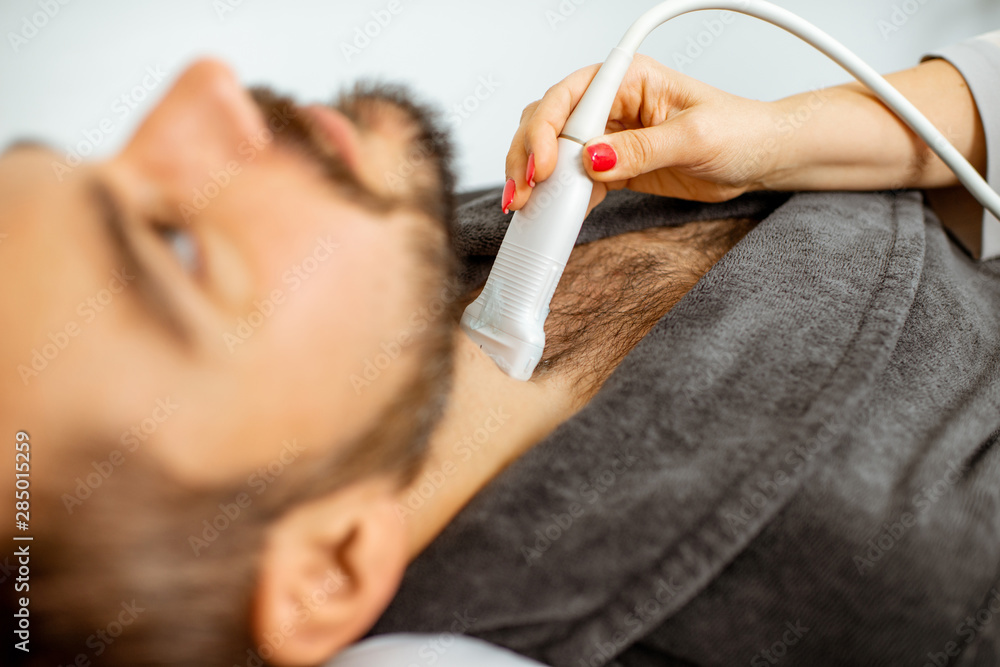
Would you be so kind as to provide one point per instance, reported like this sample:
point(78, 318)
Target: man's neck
point(611, 294)
point(489, 422)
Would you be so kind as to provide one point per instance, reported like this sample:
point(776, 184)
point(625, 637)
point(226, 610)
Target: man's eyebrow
point(155, 293)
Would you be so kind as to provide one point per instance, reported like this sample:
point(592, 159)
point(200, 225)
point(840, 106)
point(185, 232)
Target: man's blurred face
point(212, 289)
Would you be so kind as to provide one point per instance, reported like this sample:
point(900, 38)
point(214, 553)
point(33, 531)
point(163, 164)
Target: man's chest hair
point(615, 290)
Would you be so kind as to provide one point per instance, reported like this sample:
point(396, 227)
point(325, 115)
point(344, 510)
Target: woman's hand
point(667, 134)
point(671, 135)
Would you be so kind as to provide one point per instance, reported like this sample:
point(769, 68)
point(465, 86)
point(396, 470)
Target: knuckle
point(641, 149)
point(511, 163)
point(644, 60)
point(540, 136)
point(554, 89)
point(529, 111)
point(698, 130)
point(538, 131)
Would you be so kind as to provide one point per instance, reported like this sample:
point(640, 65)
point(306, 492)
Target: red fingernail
point(508, 195)
point(530, 176)
point(602, 157)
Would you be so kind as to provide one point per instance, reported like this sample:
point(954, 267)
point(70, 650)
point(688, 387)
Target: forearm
point(844, 138)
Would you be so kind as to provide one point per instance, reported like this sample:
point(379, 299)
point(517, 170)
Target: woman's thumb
point(627, 154)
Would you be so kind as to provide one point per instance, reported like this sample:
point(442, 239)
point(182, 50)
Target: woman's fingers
point(517, 164)
point(623, 155)
point(521, 167)
point(549, 117)
point(664, 128)
point(535, 143)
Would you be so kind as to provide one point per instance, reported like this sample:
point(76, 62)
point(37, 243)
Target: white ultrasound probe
point(507, 319)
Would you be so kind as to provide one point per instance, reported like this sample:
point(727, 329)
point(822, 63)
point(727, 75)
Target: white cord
point(507, 319)
point(902, 107)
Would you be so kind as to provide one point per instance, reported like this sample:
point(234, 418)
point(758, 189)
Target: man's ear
point(328, 570)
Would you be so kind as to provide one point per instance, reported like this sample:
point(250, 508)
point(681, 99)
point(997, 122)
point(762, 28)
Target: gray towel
point(800, 462)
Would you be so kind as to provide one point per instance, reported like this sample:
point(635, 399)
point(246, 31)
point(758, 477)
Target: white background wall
point(61, 80)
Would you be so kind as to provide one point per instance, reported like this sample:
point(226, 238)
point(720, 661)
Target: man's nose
point(197, 127)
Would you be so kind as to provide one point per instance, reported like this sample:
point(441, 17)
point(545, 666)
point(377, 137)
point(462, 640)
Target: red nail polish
point(602, 157)
point(530, 175)
point(508, 195)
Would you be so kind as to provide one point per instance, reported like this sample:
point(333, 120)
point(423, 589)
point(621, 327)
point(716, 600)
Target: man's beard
point(410, 417)
point(428, 189)
point(132, 541)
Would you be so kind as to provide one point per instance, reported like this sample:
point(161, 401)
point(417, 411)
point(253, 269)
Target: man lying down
point(763, 429)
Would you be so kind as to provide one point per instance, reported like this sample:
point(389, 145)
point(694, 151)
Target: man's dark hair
point(125, 553)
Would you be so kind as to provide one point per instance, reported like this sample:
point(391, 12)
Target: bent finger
point(516, 167)
point(543, 127)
